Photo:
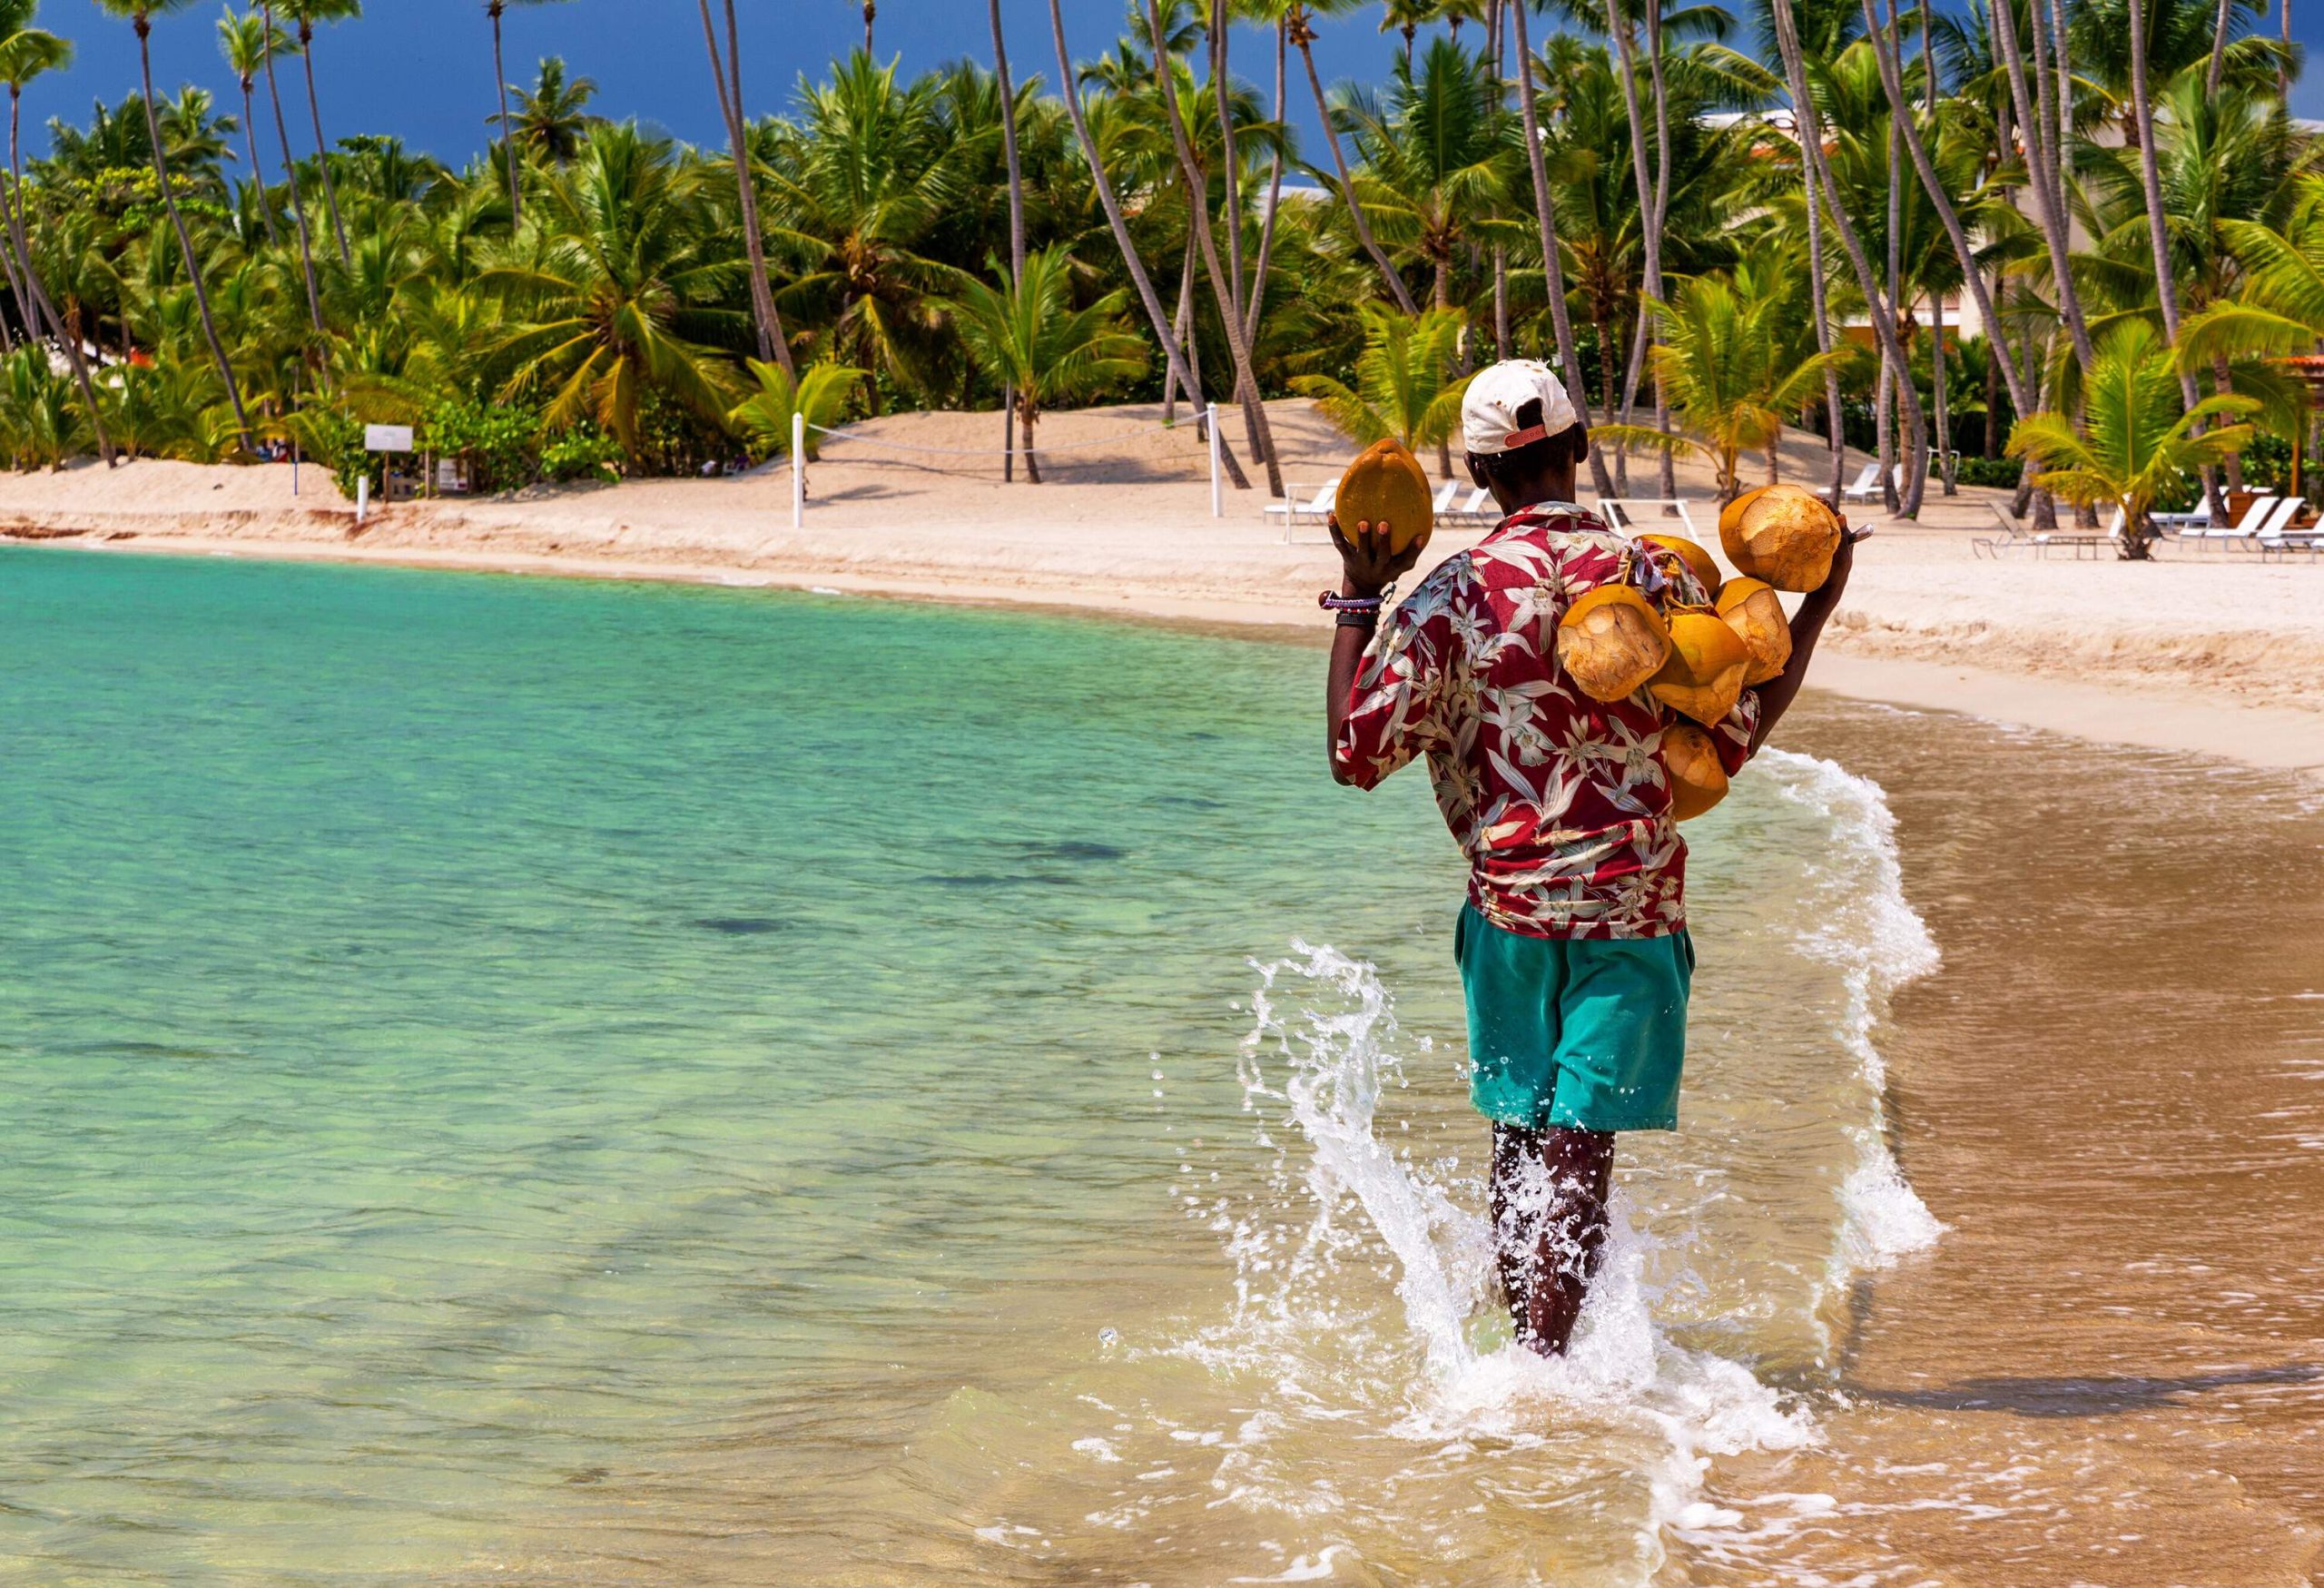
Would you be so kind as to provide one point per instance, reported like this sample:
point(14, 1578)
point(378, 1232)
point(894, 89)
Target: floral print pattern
point(1562, 803)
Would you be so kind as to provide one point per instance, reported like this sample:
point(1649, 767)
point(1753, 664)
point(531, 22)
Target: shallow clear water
point(539, 1081)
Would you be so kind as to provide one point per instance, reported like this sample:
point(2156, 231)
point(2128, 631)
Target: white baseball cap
point(1489, 422)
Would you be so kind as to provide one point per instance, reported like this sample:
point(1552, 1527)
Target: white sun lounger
point(1291, 510)
point(1866, 486)
point(2255, 517)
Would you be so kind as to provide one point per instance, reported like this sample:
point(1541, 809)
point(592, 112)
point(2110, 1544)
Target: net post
point(1217, 491)
point(798, 471)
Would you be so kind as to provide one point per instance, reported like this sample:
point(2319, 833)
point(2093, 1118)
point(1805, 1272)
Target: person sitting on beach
point(1572, 947)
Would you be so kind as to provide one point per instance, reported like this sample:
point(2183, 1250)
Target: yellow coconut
point(1697, 781)
point(1704, 677)
point(1781, 534)
point(1385, 484)
point(1612, 641)
point(1753, 610)
point(1705, 566)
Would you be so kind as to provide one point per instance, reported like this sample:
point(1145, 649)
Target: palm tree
point(1257, 434)
point(244, 41)
point(493, 9)
point(726, 77)
point(620, 297)
point(1026, 334)
point(1545, 213)
point(306, 13)
point(141, 13)
point(26, 53)
point(1884, 320)
point(821, 396)
point(268, 50)
point(870, 10)
point(1118, 223)
point(2139, 443)
point(1405, 17)
point(1015, 220)
point(553, 117)
point(1730, 369)
point(1297, 18)
point(1407, 386)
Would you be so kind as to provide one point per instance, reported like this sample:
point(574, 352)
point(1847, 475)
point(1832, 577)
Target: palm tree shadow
point(2102, 1395)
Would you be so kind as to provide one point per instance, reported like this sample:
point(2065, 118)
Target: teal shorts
point(1590, 1035)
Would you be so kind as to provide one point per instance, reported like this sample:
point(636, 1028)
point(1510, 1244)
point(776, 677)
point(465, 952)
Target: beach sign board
point(387, 439)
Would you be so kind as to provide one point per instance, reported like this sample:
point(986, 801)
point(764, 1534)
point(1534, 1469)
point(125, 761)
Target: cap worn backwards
point(1489, 422)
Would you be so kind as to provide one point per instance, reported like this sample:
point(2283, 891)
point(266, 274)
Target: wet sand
point(2111, 1369)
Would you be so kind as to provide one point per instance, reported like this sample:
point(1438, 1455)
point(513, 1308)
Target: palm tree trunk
point(185, 242)
point(2223, 385)
point(27, 277)
point(1303, 35)
point(1275, 193)
point(1884, 320)
point(509, 129)
point(2218, 49)
point(1938, 393)
point(2158, 222)
point(726, 78)
point(1642, 177)
point(1016, 246)
point(1112, 204)
point(1820, 297)
point(1183, 327)
point(1496, 43)
point(258, 172)
point(1257, 436)
point(322, 154)
point(871, 9)
point(291, 169)
point(1892, 82)
point(1232, 172)
point(2042, 177)
point(1891, 280)
point(1552, 265)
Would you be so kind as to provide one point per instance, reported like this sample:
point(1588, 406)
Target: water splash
point(1866, 930)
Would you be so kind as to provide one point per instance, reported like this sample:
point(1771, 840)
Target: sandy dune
point(915, 505)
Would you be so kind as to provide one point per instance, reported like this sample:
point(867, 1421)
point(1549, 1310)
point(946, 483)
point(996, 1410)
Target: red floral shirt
point(1561, 802)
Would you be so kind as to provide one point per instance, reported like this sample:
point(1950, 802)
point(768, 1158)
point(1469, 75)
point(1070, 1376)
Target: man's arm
point(1367, 567)
point(1778, 693)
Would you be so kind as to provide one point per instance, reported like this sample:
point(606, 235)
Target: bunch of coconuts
point(1696, 660)
point(1613, 642)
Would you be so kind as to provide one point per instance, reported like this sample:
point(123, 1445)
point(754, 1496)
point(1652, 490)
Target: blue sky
point(422, 68)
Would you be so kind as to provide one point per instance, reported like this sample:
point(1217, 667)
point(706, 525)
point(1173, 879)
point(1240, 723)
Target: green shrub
point(583, 452)
point(495, 441)
point(2002, 472)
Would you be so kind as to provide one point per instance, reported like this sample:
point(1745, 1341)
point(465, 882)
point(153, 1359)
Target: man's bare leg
point(1548, 1192)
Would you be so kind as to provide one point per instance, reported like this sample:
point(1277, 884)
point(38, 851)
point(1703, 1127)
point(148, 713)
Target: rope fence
point(1207, 418)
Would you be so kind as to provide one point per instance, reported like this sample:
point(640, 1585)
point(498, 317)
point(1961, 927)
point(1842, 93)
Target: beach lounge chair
point(1445, 495)
point(1477, 510)
point(1866, 486)
point(1291, 510)
point(2242, 530)
point(2277, 534)
point(2013, 536)
point(2078, 543)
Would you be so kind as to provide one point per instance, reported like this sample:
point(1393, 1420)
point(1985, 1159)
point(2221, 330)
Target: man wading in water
point(1572, 946)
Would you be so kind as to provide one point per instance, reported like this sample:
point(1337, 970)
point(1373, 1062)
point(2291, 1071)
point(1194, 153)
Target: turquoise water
point(552, 1081)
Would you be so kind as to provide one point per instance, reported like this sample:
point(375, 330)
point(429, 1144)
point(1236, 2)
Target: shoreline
point(2216, 657)
point(2186, 720)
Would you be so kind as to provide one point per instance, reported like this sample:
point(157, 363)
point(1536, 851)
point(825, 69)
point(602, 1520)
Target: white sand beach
point(2219, 655)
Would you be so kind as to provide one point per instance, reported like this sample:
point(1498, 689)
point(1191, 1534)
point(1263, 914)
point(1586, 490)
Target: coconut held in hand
point(1755, 612)
point(1697, 781)
point(1781, 534)
point(1703, 680)
point(1385, 484)
point(1611, 641)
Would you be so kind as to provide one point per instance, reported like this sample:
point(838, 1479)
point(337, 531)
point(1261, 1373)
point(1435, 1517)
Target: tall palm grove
point(2072, 247)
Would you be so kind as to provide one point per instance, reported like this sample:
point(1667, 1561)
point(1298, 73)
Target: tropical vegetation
point(2077, 245)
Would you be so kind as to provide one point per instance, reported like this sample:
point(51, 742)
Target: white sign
point(387, 439)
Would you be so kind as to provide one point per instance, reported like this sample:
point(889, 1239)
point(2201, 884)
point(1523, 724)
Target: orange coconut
point(1781, 534)
point(1704, 677)
point(1753, 610)
point(1611, 641)
point(1385, 484)
point(1691, 553)
point(1697, 781)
